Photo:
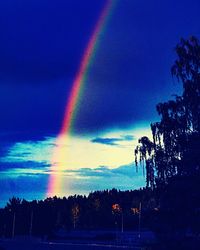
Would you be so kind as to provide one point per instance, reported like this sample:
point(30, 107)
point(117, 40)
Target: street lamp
point(13, 225)
point(116, 208)
point(31, 224)
point(138, 211)
point(122, 221)
point(139, 222)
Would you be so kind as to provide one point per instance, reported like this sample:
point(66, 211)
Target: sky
point(41, 47)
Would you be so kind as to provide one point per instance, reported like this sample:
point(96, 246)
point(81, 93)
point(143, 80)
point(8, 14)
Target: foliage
point(77, 212)
point(174, 150)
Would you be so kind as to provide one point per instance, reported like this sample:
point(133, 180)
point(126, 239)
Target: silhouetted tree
point(174, 149)
point(46, 217)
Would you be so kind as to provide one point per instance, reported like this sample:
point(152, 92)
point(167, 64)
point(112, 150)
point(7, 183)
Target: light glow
point(61, 154)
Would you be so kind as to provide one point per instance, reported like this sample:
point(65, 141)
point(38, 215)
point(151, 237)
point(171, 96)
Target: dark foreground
point(20, 245)
point(35, 244)
point(83, 240)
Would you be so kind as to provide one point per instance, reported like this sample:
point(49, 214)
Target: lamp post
point(139, 222)
point(31, 224)
point(13, 226)
point(122, 229)
point(118, 211)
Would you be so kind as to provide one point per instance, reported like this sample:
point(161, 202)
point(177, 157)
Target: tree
point(174, 150)
point(75, 214)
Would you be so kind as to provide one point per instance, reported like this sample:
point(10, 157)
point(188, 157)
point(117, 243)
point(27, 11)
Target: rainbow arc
point(59, 158)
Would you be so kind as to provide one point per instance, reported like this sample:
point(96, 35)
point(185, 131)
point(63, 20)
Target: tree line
point(99, 210)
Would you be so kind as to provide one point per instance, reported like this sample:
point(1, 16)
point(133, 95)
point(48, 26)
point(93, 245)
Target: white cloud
point(67, 152)
point(75, 164)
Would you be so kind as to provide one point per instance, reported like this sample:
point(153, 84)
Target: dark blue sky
point(42, 43)
point(41, 46)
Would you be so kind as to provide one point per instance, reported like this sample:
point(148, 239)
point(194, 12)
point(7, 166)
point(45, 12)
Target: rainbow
point(57, 169)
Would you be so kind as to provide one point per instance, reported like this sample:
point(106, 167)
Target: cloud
point(113, 149)
point(93, 173)
point(32, 183)
point(29, 152)
point(22, 165)
point(105, 171)
point(107, 141)
point(90, 172)
point(128, 137)
point(33, 169)
point(112, 141)
point(71, 152)
point(29, 187)
point(124, 178)
point(89, 166)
